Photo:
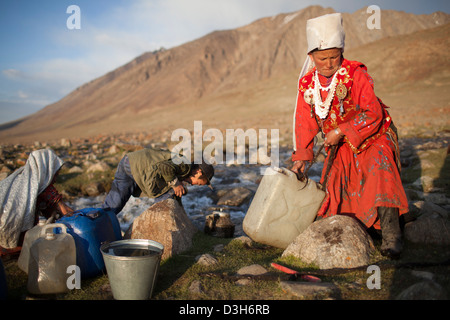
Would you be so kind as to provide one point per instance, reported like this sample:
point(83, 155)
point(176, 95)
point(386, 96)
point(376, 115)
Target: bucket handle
point(54, 225)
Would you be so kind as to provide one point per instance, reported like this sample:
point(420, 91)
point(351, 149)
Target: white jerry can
point(50, 256)
point(282, 208)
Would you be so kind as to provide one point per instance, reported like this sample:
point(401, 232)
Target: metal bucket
point(132, 267)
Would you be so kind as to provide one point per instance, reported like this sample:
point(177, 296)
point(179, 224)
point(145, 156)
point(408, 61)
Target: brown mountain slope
point(411, 74)
point(228, 79)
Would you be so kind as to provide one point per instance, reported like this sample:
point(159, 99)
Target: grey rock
point(425, 290)
point(65, 143)
point(165, 222)
point(243, 282)
point(252, 270)
point(244, 239)
point(235, 197)
point(429, 229)
point(75, 169)
point(218, 248)
point(207, 260)
point(308, 289)
point(334, 242)
point(423, 274)
point(3, 175)
point(99, 166)
point(93, 189)
point(196, 287)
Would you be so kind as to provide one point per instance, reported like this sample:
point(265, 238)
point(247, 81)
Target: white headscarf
point(324, 32)
point(19, 191)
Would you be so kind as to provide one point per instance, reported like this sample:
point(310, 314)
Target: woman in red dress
point(336, 96)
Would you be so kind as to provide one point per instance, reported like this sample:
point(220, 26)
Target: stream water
point(200, 201)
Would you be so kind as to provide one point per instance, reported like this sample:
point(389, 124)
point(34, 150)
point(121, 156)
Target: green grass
point(219, 282)
point(214, 278)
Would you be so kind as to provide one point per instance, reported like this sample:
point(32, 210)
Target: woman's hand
point(299, 166)
point(64, 208)
point(333, 137)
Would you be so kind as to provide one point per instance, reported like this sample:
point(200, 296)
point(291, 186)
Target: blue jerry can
point(90, 228)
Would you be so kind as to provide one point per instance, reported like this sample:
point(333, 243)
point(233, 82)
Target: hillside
point(246, 77)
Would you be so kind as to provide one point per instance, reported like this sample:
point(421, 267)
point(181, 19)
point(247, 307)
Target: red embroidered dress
point(365, 172)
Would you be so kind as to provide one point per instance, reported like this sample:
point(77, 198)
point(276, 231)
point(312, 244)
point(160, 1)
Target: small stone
point(252, 270)
point(307, 289)
point(243, 282)
point(100, 166)
point(218, 248)
point(207, 260)
point(65, 143)
point(244, 239)
point(3, 175)
point(75, 169)
point(196, 287)
point(113, 149)
point(423, 274)
point(93, 189)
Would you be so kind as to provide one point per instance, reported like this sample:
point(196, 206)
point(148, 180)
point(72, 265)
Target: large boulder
point(235, 197)
point(334, 242)
point(430, 228)
point(425, 290)
point(165, 222)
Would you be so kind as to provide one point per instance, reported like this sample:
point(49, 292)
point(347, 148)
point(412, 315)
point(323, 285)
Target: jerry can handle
point(91, 214)
point(54, 225)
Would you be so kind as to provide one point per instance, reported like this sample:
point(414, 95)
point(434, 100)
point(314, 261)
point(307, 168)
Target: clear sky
point(42, 60)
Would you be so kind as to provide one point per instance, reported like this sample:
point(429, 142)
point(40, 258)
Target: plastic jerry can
point(282, 208)
point(50, 256)
point(90, 228)
point(30, 236)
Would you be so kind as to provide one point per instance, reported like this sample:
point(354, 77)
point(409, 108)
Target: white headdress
point(324, 32)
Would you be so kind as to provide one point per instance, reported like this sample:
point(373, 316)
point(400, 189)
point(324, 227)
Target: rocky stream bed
point(90, 166)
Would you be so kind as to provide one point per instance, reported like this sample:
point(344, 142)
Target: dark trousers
point(123, 187)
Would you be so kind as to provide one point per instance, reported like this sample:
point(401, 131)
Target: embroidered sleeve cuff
point(351, 134)
point(304, 154)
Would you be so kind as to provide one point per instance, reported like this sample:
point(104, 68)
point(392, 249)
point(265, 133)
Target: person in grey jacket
point(154, 174)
